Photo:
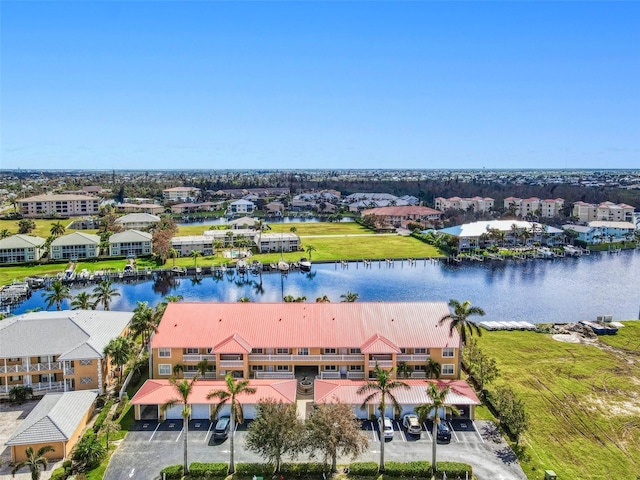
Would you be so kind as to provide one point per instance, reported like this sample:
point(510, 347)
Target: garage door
point(200, 412)
point(173, 413)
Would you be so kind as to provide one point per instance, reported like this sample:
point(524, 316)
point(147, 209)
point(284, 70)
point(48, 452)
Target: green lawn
point(582, 402)
point(43, 227)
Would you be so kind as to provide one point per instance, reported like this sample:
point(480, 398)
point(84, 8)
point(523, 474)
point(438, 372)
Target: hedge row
point(363, 469)
point(102, 416)
point(207, 470)
point(407, 469)
point(172, 472)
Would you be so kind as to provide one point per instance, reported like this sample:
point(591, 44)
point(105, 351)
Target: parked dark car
point(221, 430)
point(444, 434)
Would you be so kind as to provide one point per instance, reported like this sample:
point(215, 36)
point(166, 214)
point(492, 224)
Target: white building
point(241, 206)
point(64, 205)
point(130, 243)
point(75, 246)
point(606, 211)
point(21, 249)
point(137, 221)
point(277, 242)
point(180, 194)
point(479, 204)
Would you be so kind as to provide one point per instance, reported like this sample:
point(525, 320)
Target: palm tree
point(173, 253)
point(4, 233)
point(432, 369)
point(178, 368)
point(349, 297)
point(460, 319)
point(310, 249)
point(204, 366)
point(323, 299)
point(436, 404)
point(143, 322)
point(82, 301)
point(293, 229)
point(233, 391)
point(58, 293)
point(35, 461)
point(381, 387)
point(244, 300)
point(183, 388)
point(195, 254)
point(119, 350)
point(57, 229)
point(103, 293)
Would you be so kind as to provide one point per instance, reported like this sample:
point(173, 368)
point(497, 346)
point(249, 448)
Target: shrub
point(58, 474)
point(124, 401)
point(454, 469)
point(102, 416)
point(302, 469)
point(363, 469)
point(199, 470)
point(408, 469)
point(172, 472)
point(258, 469)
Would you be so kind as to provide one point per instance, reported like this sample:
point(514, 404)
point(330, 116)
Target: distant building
point(152, 208)
point(523, 207)
point(130, 243)
point(402, 216)
point(137, 221)
point(241, 206)
point(21, 249)
point(180, 194)
point(479, 204)
point(59, 205)
point(277, 242)
point(606, 211)
point(77, 245)
point(597, 232)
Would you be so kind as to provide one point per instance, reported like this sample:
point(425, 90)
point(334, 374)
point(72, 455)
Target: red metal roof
point(292, 325)
point(158, 392)
point(346, 391)
point(379, 344)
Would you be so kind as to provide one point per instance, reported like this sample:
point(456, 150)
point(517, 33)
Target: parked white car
point(386, 427)
point(412, 424)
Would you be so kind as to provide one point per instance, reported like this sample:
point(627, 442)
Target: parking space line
point(476, 430)
point(424, 426)
point(154, 432)
point(180, 434)
point(208, 432)
point(453, 431)
point(404, 437)
point(375, 436)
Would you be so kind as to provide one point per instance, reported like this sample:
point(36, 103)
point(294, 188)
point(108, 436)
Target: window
point(191, 368)
point(330, 368)
point(355, 351)
point(403, 350)
point(164, 369)
point(164, 352)
point(86, 380)
point(447, 368)
point(16, 378)
point(283, 368)
point(257, 368)
point(420, 351)
point(192, 351)
point(303, 351)
point(85, 362)
point(355, 368)
point(329, 351)
point(448, 352)
point(282, 351)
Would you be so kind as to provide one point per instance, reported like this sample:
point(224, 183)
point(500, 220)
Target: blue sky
point(183, 85)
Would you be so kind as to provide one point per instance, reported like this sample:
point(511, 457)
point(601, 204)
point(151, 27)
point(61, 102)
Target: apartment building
point(137, 221)
point(606, 212)
point(130, 243)
point(180, 194)
point(75, 246)
point(63, 205)
point(21, 249)
point(403, 215)
point(58, 351)
point(277, 242)
point(329, 340)
point(547, 208)
point(479, 204)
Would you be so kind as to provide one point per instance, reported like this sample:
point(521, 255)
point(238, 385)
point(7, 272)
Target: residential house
point(402, 216)
point(274, 208)
point(241, 206)
point(58, 351)
point(479, 204)
point(137, 221)
point(606, 211)
point(130, 243)
point(277, 242)
point(243, 223)
point(63, 205)
point(75, 246)
point(58, 420)
point(151, 208)
point(21, 249)
point(613, 231)
point(186, 244)
point(180, 194)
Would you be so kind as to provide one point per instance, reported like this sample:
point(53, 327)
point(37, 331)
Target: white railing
point(275, 375)
point(231, 363)
point(305, 358)
point(198, 358)
point(32, 367)
point(355, 375)
point(329, 375)
point(418, 375)
point(207, 375)
point(380, 363)
point(412, 358)
point(69, 371)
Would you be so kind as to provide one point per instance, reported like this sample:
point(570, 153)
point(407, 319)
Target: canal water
point(558, 290)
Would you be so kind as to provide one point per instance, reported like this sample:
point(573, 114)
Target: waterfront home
point(522, 207)
point(479, 204)
point(605, 211)
point(243, 223)
point(401, 216)
point(180, 194)
point(503, 233)
point(137, 221)
point(282, 340)
point(229, 238)
point(277, 242)
point(58, 420)
point(241, 206)
point(274, 208)
point(130, 243)
point(58, 351)
point(186, 244)
point(156, 392)
point(597, 232)
point(151, 208)
point(63, 205)
point(75, 246)
point(21, 249)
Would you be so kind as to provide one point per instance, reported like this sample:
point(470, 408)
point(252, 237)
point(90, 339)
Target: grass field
point(302, 228)
point(43, 227)
point(583, 401)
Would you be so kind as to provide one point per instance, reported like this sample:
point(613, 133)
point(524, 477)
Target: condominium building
point(137, 221)
point(401, 216)
point(180, 194)
point(130, 243)
point(21, 249)
point(479, 204)
point(75, 246)
point(64, 205)
point(58, 351)
point(606, 211)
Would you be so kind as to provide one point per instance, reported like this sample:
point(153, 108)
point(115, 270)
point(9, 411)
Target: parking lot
point(152, 445)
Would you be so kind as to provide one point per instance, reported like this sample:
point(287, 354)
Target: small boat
point(241, 266)
point(129, 270)
point(598, 328)
point(283, 266)
point(198, 270)
point(178, 270)
point(545, 252)
point(304, 264)
point(256, 266)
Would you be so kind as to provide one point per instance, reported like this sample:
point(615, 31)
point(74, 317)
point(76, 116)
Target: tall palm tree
point(183, 388)
point(233, 391)
point(119, 350)
point(310, 249)
point(82, 301)
point(349, 297)
point(173, 253)
point(58, 293)
point(381, 389)
point(35, 461)
point(143, 322)
point(204, 366)
point(57, 229)
point(103, 293)
point(436, 404)
point(195, 254)
point(323, 299)
point(432, 369)
point(460, 319)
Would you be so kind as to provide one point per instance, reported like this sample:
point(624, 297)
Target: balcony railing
point(380, 363)
point(31, 367)
point(38, 388)
point(418, 375)
point(231, 364)
point(274, 375)
point(207, 375)
point(327, 374)
point(355, 375)
point(69, 371)
point(412, 358)
point(198, 358)
point(306, 358)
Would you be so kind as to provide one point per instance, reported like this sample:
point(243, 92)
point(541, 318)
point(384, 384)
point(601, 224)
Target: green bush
point(102, 416)
point(454, 469)
point(258, 469)
point(172, 472)
point(199, 470)
point(58, 474)
point(407, 469)
point(363, 469)
point(302, 469)
point(124, 401)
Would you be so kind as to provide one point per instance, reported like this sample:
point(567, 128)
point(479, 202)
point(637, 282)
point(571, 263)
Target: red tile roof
point(158, 392)
point(346, 391)
point(292, 325)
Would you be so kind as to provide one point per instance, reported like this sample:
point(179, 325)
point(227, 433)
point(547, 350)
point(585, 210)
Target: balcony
point(38, 388)
point(207, 375)
point(198, 358)
point(231, 364)
point(288, 375)
point(306, 358)
point(355, 375)
point(380, 363)
point(412, 358)
point(31, 367)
